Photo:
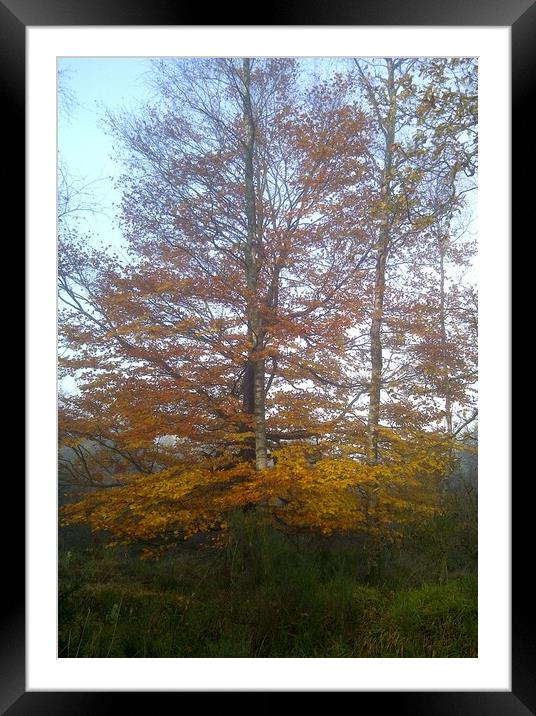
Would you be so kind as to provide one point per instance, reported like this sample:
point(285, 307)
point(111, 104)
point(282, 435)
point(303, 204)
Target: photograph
point(267, 324)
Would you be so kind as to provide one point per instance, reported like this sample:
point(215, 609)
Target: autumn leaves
point(271, 301)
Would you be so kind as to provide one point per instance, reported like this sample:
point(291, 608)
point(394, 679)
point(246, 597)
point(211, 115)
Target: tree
point(424, 117)
point(221, 366)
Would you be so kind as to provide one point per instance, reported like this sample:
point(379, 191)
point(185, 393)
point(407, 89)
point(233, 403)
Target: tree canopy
point(291, 331)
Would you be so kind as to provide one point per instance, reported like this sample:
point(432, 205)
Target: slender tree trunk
point(382, 253)
point(376, 354)
point(255, 327)
point(443, 330)
point(247, 451)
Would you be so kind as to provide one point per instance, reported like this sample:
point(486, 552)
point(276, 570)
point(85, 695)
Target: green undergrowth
point(265, 595)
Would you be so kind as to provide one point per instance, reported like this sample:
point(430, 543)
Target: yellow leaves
point(422, 222)
point(326, 488)
point(239, 437)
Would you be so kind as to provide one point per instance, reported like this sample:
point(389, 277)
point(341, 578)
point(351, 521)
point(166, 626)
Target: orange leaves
point(165, 336)
point(224, 293)
point(312, 488)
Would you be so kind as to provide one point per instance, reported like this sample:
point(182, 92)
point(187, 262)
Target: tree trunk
point(247, 451)
point(382, 253)
point(255, 329)
point(443, 329)
point(376, 355)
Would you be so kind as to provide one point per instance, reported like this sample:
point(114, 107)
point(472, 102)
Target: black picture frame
point(15, 17)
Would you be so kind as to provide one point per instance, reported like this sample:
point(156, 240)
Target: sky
point(84, 146)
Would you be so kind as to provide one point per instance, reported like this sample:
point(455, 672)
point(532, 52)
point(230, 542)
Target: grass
point(262, 596)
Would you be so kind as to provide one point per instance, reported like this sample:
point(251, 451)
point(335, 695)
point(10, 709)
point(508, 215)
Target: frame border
point(520, 15)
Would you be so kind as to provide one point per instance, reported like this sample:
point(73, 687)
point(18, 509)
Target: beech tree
point(424, 146)
point(228, 362)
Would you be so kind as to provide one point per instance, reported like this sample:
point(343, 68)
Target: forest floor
point(263, 596)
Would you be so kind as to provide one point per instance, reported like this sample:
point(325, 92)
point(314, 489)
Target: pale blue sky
point(84, 146)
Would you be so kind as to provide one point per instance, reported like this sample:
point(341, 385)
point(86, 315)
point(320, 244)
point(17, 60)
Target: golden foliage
point(320, 488)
